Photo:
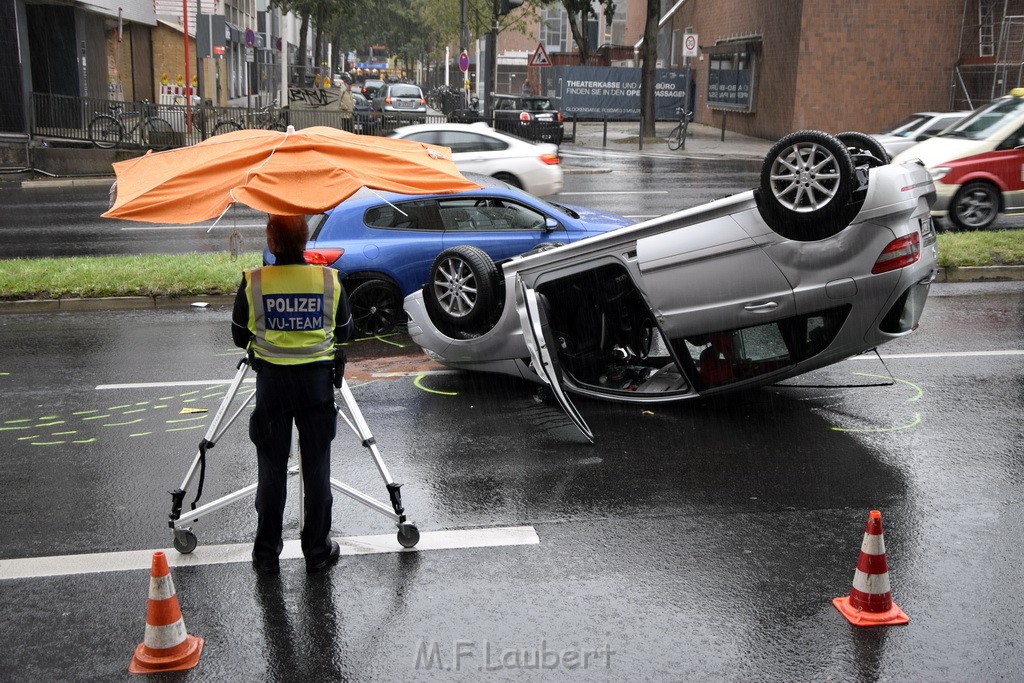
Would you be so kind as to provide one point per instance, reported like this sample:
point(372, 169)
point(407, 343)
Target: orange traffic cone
point(167, 646)
point(870, 600)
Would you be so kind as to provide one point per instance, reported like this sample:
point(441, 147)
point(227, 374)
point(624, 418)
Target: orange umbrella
point(291, 173)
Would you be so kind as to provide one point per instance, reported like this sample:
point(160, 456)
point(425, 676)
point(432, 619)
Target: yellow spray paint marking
point(182, 429)
point(126, 405)
point(417, 383)
point(121, 424)
point(26, 438)
point(920, 391)
point(916, 421)
point(190, 393)
point(4, 374)
point(165, 398)
point(142, 403)
point(84, 440)
point(187, 419)
point(189, 400)
point(49, 417)
point(386, 341)
point(11, 429)
point(913, 423)
point(11, 422)
point(188, 411)
point(73, 431)
point(47, 443)
point(140, 434)
point(218, 394)
point(162, 405)
point(50, 424)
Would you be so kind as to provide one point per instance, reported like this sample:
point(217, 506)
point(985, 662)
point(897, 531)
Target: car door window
point(416, 215)
point(430, 137)
point(462, 141)
point(482, 214)
point(315, 223)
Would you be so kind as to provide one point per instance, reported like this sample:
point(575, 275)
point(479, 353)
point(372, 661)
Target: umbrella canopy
point(290, 173)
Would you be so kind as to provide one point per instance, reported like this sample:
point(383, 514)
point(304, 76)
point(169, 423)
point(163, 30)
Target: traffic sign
point(464, 62)
point(250, 38)
point(689, 44)
point(540, 57)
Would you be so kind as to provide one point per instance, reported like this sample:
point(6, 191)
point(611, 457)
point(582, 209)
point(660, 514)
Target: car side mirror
point(922, 136)
point(550, 224)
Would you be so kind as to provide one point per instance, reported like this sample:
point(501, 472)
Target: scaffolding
point(991, 60)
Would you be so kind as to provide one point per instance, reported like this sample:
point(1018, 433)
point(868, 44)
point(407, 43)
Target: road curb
point(116, 303)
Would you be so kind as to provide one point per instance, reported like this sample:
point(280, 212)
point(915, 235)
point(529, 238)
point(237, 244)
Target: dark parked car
point(365, 117)
point(371, 86)
point(530, 117)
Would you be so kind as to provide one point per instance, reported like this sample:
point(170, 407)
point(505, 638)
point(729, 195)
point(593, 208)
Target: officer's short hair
point(287, 235)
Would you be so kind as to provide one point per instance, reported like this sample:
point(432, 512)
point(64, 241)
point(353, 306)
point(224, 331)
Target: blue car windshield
point(983, 123)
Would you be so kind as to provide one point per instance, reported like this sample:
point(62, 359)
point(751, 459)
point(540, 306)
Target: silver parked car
point(400, 102)
point(831, 256)
point(915, 128)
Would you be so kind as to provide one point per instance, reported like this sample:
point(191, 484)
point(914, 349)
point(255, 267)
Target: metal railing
point(67, 118)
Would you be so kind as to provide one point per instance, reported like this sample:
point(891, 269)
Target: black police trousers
point(303, 395)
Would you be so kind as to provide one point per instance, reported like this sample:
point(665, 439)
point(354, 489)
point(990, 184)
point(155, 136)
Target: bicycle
point(107, 131)
point(264, 117)
point(677, 138)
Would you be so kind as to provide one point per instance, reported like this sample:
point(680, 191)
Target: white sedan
point(478, 148)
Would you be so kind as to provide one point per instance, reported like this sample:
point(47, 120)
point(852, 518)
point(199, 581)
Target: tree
point(650, 62)
point(580, 13)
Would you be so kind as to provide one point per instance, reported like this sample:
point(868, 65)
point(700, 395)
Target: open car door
point(533, 315)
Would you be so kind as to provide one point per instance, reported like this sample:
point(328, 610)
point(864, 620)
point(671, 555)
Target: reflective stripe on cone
point(870, 600)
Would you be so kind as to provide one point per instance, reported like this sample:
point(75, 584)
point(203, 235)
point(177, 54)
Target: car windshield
point(984, 122)
point(404, 91)
point(908, 126)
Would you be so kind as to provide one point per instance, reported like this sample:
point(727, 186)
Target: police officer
point(290, 316)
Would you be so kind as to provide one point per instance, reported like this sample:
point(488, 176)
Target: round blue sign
point(464, 62)
point(250, 37)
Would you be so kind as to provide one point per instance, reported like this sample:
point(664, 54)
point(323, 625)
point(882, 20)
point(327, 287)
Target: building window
point(731, 71)
point(554, 23)
point(674, 52)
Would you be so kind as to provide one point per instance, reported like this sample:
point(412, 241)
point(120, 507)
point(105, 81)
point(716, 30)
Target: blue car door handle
point(762, 307)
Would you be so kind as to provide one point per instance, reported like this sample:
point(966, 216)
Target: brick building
point(784, 65)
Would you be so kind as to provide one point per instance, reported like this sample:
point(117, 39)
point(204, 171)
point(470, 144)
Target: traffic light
point(509, 5)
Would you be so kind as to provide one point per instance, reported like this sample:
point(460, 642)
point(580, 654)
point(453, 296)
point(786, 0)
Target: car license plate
point(405, 105)
point(927, 229)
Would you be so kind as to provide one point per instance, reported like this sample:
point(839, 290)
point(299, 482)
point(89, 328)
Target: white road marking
point(196, 226)
point(94, 563)
point(566, 194)
point(941, 354)
point(206, 382)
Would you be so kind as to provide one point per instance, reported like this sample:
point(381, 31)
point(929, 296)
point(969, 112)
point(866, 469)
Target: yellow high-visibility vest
point(291, 312)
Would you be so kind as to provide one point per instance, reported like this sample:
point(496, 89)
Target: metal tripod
point(185, 540)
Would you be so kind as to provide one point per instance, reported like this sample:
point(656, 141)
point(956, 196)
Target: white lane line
point(206, 382)
point(196, 226)
point(945, 354)
point(566, 194)
point(94, 563)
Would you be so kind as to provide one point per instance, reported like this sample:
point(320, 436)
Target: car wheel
point(975, 206)
point(806, 181)
point(376, 307)
point(461, 291)
point(864, 149)
point(510, 179)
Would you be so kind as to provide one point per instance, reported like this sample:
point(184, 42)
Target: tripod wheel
point(408, 535)
point(186, 541)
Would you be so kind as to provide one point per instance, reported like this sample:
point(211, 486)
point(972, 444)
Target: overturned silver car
point(831, 256)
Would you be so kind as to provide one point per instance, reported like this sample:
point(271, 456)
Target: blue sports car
point(384, 244)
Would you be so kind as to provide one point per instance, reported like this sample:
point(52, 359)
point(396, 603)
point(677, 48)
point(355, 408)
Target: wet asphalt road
point(690, 542)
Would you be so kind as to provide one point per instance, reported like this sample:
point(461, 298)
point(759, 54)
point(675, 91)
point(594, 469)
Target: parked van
point(977, 164)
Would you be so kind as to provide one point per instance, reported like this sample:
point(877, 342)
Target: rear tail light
point(524, 117)
point(899, 253)
point(560, 119)
point(550, 159)
point(422, 101)
point(387, 100)
point(322, 257)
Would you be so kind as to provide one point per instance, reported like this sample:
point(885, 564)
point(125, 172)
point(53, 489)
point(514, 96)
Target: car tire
point(864, 149)
point(376, 307)
point(975, 206)
point(461, 290)
point(510, 179)
point(807, 179)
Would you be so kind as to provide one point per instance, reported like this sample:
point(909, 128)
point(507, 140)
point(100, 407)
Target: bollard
point(641, 134)
point(604, 133)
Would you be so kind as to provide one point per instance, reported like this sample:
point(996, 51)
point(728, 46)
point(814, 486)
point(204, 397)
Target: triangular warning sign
point(540, 56)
